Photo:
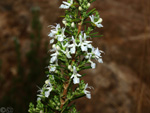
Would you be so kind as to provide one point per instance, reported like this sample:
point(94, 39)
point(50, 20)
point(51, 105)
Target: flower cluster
point(70, 46)
point(72, 51)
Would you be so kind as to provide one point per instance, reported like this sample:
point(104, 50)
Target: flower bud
point(57, 107)
point(69, 67)
point(64, 21)
point(78, 89)
point(55, 37)
point(47, 82)
point(53, 46)
point(80, 8)
point(41, 111)
point(87, 57)
point(58, 103)
point(72, 24)
point(88, 5)
point(57, 47)
point(56, 71)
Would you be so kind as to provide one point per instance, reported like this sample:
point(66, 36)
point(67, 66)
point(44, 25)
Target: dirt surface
point(121, 84)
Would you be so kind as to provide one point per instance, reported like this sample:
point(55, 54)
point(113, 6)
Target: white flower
point(97, 54)
point(47, 82)
point(66, 5)
point(88, 93)
point(39, 95)
point(51, 41)
point(83, 43)
point(62, 35)
point(66, 52)
point(52, 68)
point(48, 87)
point(54, 55)
point(75, 76)
point(53, 32)
point(38, 98)
point(98, 23)
point(47, 93)
point(73, 46)
point(93, 65)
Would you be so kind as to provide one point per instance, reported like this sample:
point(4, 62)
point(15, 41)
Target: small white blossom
point(47, 82)
point(62, 35)
point(66, 5)
point(47, 93)
point(98, 23)
point(83, 43)
point(39, 95)
point(88, 93)
point(48, 87)
point(54, 55)
point(66, 52)
point(75, 76)
point(97, 54)
point(73, 46)
point(53, 32)
point(93, 65)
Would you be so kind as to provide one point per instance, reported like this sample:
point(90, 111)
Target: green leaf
point(85, 67)
point(91, 12)
point(83, 75)
point(68, 32)
point(87, 22)
point(77, 96)
point(46, 72)
point(76, 20)
point(93, 33)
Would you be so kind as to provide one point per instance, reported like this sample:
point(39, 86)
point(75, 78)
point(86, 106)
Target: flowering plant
point(71, 52)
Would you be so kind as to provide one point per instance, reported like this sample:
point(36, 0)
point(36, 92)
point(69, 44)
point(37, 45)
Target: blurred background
point(121, 84)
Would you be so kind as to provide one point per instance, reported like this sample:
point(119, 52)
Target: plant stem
point(63, 98)
point(80, 26)
point(67, 84)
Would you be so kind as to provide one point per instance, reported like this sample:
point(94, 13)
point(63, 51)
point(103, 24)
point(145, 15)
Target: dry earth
point(121, 84)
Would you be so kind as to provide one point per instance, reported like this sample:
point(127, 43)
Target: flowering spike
point(71, 52)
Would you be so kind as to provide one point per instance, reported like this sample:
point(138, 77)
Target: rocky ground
point(121, 84)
